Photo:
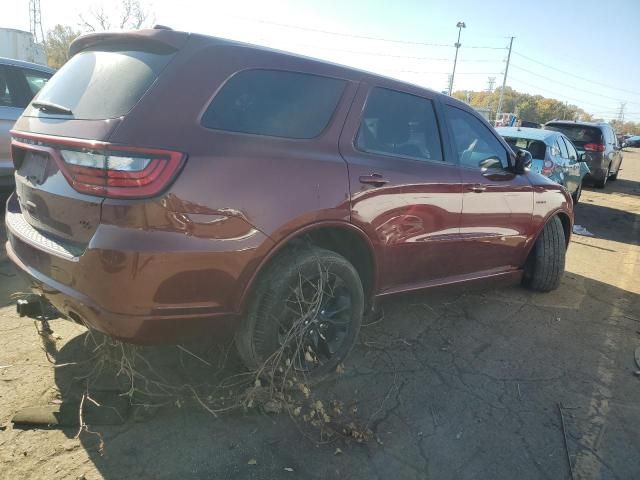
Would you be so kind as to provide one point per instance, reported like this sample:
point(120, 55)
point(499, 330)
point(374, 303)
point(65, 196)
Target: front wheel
point(545, 265)
point(304, 315)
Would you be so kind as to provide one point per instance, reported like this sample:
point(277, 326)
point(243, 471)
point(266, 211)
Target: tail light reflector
point(548, 167)
point(107, 170)
point(594, 147)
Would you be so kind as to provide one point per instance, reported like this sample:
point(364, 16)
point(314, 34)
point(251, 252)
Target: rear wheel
point(545, 265)
point(601, 183)
point(304, 315)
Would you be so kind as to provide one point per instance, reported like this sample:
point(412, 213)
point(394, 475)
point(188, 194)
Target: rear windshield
point(580, 135)
point(275, 103)
point(105, 82)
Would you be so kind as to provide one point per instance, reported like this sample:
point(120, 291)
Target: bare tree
point(131, 15)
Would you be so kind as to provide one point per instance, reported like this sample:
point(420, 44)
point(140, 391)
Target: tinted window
point(573, 155)
point(105, 83)
point(580, 135)
point(275, 103)
point(564, 153)
point(6, 97)
point(399, 124)
point(476, 146)
point(35, 80)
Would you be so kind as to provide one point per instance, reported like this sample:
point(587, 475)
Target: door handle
point(478, 188)
point(374, 179)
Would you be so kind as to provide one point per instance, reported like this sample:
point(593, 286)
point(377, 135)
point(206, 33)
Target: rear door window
point(401, 125)
point(275, 103)
point(7, 95)
point(105, 82)
point(573, 155)
point(564, 153)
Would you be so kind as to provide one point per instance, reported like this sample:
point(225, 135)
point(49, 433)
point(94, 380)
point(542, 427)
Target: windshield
point(580, 135)
point(103, 83)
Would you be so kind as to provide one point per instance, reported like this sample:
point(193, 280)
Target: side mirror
point(523, 161)
point(624, 145)
point(582, 157)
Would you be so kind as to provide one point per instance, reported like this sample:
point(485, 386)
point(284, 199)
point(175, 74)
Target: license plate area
point(35, 167)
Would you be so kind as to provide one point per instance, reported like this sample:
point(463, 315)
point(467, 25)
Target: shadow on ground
point(452, 386)
point(608, 223)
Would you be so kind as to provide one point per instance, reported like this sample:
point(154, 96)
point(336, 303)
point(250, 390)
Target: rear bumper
point(137, 295)
point(140, 329)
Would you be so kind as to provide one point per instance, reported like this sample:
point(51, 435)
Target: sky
point(584, 52)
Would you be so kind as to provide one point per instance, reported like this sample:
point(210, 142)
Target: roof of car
point(176, 38)
point(573, 122)
point(20, 63)
point(528, 133)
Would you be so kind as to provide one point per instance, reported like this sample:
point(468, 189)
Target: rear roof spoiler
point(156, 37)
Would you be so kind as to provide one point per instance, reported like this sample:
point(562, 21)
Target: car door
point(562, 160)
point(406, 192)
point(497, 204)
point(17, 88)
point(574, 170)
point(10, 109)
point(616, 152)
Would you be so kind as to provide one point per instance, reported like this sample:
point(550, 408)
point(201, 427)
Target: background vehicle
point(633, 141)
point(553, 154)
point(599, 144)
point(19, 82)
point(283, 194)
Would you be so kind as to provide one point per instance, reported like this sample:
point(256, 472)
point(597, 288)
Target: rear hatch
point(65, 165)
point(584, 137)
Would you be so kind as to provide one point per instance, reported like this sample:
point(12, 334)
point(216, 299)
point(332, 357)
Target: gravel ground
point(458, 385)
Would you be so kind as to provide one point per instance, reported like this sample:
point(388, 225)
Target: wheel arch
point(339, 236)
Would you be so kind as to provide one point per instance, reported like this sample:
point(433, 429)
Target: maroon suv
point(168, 182)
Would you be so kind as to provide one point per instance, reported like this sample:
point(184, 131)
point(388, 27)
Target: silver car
point(19, 82)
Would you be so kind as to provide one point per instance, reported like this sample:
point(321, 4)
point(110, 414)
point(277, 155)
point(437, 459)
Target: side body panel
point(413, 219)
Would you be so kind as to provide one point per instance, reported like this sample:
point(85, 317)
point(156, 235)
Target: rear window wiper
point(51, 108)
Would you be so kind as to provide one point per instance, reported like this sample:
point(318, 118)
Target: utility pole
point(491, 82)
point(460, 26)
point(621, 111)
point(504, 80)
point(35, 20)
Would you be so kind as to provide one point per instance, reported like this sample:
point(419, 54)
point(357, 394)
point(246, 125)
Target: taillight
point(595, 147)
point(107, 170)
point(547, 168)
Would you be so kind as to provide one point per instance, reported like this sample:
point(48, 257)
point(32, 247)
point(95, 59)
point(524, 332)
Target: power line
point(617, 99)
point(576, 76)
point(363, 37)
point(557, 94)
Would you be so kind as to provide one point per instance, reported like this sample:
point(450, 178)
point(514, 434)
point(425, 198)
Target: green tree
point(57, 44)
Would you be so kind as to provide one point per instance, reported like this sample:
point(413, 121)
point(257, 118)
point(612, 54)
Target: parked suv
point(599, 144)
point(19, 82)
point(223, 182)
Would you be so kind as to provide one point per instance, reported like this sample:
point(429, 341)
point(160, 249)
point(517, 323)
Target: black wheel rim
point(316, 321)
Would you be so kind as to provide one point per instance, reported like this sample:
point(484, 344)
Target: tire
point(545, 265)
point(577, 194)
point(271, 318)
point(602, 183)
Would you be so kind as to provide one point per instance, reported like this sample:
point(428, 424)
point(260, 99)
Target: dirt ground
point(479, 384)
